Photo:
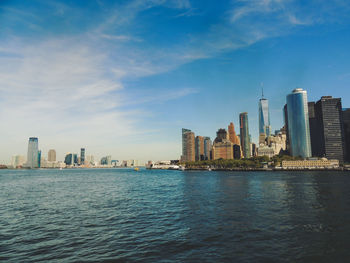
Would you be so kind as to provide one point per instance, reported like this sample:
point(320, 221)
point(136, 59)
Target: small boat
point(136, 169)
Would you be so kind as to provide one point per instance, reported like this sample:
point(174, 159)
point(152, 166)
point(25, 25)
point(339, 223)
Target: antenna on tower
point(262, 89)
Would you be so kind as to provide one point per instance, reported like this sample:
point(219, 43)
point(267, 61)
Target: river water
point(120, 215)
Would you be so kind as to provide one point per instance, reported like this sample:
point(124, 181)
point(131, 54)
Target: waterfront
point(154, 215)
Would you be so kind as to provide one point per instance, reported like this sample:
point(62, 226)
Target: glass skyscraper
point(33, 153)
point(298, 123)
point(264, 117)
point(244, 134)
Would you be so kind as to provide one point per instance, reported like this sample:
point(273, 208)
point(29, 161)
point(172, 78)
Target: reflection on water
point(101, 215)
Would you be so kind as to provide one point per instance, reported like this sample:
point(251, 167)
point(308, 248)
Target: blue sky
point(123, 77)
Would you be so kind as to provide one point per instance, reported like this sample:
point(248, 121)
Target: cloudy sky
point(123, 77)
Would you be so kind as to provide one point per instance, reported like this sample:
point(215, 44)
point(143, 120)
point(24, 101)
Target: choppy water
point(172, 216)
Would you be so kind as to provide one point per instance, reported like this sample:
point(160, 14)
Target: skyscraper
point(285, 117)
point(244, 134)
point(82, 156)
point(199, 148)
point(33, 152)
point(39, 158)
point(207, 148)
point(264, 117)
point(232, 134)
point(314, 129)
point(329, 135)
point(346, 125)
point(298, 123)
point(51, 156)
point(188, 146)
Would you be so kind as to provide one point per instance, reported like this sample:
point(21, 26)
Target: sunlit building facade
point(188, 146)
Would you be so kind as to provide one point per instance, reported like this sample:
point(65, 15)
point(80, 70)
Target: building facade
point(311, 164)
point(33, 153)
point(232, 134)
point(51, 156)
point(82, 156)
point(188, 146)
point(199, 148)
point(207, 148)
point(329, 140)
point(346, 126)
point(264, 117)
point(244, 134)
point(298, 123)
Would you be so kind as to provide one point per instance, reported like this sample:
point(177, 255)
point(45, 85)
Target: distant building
point(82, 156)
point(264, 117)
point(39, 158)
point(207, 148)
point(188, 146)
point(327, 135)
point(199, 148)
point(107, 160)
point(298, 123)
point(244, 134)
point(285, 117)
point(232, 134)
point(90, 160)
point(51, 156)
point(237, 151)
point(71, 159)
point(265, 150)
point(346, 125)
point(311, 164)
point(222, 146)
point(33, 152)
point(17, 161)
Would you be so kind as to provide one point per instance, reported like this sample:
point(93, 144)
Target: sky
point(122, 78)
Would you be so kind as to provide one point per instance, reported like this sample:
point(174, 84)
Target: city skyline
point(129, 77)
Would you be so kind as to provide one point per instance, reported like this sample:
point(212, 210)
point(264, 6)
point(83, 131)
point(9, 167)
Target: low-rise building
point(322, 163)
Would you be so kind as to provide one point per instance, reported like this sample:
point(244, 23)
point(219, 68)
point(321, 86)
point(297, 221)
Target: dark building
point(236, 151)
point(346, 126)
point(221, 135)
point(82, 156)
point(285, 115)
point(71, 159)
point(329, 141)
point(315, 135)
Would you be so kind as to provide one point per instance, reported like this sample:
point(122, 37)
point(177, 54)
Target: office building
point(82, 156)
point(222, 146)
point(346, 126)
point(71, 159)
point(236, 151)
point(188, 146)
point(33, 152)
point(107, 160)
point(244, 134)
point(207, 148)
point(264, 117)
point(51, 156)
point(232, 134)
point(314, 129)
point(199, 148)
point(328, 135)
point(39, 158)
point(298, 123)
point(285, 118)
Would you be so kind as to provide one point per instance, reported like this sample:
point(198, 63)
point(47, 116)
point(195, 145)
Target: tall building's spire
point(262, 89)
